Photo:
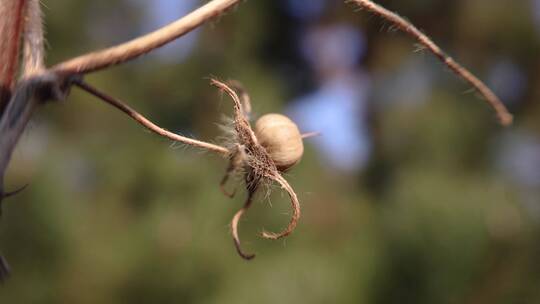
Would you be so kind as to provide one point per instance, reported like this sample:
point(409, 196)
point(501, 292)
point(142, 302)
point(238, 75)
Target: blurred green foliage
point(114, 214)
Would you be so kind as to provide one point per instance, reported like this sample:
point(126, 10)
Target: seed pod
point(281, 138)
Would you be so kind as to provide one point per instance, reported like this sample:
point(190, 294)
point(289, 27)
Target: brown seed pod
point(281, 138)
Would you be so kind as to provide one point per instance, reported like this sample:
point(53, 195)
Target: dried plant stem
point(15, 118)
point(11, 27)
point(16, 17)
point(147, 123)
point(234, 225)
point(503, 115)
point(22, 102)
point(34, 50)
point(121, 53)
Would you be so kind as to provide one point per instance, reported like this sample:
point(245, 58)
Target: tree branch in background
point(127, 51)
point(505, 118)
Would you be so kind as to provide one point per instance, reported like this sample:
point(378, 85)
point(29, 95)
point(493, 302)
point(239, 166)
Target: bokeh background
point(413, 193)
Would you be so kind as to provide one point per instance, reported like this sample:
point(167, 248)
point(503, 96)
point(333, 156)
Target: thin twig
point(503, 115)
point(126, 51)
point(15, 192)
point(310, 134)
point(147, 123)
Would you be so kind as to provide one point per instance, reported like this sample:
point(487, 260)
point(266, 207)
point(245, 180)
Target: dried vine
point(38, 84)
point(246, 155)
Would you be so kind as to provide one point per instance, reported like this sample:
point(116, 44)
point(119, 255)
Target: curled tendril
point(295, 204)
point(234, 226)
